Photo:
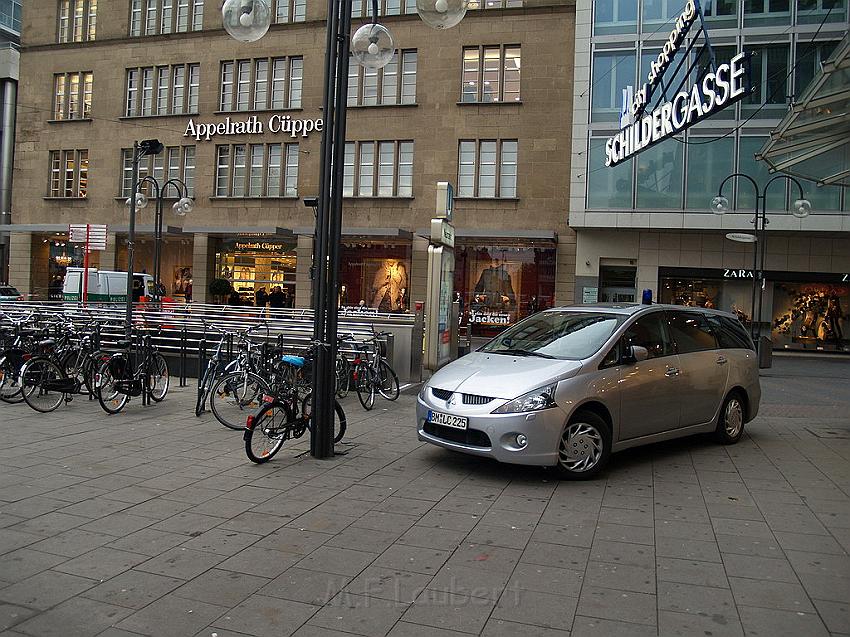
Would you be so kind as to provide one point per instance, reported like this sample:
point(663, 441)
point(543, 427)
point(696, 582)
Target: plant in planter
point(220, 289)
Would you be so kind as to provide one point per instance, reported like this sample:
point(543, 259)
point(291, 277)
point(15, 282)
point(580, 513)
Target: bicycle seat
point(123, 343)
point(295, 361)
point(48, 342)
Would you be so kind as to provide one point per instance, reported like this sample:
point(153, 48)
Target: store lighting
point(372, 46)
point(246, 20)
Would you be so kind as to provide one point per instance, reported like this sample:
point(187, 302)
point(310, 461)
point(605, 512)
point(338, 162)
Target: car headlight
point(535, 400)
point(424, 391)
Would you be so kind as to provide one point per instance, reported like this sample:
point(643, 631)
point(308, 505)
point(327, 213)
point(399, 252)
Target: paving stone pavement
point(153, 522)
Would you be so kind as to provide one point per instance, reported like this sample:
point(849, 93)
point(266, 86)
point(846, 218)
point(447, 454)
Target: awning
point(813, 139)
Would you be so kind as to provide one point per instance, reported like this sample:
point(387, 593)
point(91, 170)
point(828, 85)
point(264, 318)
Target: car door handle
point(721, 360)
point(672, 371)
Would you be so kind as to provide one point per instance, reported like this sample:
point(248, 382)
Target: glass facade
point(685, 174)
point(261, 270)
point(375, 275)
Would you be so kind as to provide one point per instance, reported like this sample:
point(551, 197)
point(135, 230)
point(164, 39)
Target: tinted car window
point(567, 335)
point(649, 332)
point(691, 332)
point(730, 333)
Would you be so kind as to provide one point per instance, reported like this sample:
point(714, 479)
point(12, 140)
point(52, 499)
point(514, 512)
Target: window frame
point(176, 104)
point(362, 180)
point(357, 76)
point(57, 174)
point(62, 101)
point(80, 21)
point(499, 167)
point(162, 17)
point(231, 91)
point(480, 70)
point(296, 11)
point(162, 168)
point(226, 176)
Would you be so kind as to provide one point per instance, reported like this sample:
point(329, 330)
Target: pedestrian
point(262, 297)
point(276, 298)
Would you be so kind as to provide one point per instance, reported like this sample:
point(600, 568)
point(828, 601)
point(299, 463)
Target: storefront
point(801, 310)
point(258, 265)
point(375, 274)
point(499, 282)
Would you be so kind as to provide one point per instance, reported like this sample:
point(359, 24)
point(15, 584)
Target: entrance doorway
point(617, 283)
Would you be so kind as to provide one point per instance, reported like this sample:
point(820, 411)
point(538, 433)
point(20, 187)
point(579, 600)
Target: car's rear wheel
point(585, 446)
point(730, 422)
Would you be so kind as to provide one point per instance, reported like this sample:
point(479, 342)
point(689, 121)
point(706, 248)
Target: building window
point(153, 17)
point(261, 84)
point(809, 58)
point(10, 15)
point(72, 94)
point(721, 13)
point(256, 170)
point(69, 173)
point(363, 8)
point(372, 87)
point(491, 74)
point(766, 12)
point(494, 4)
point(612, 72)
point(487, 169)
point(77, 20)
point(614, 16)
point(290, 11)
point(769, 79)
point(817, 11)
point(378, 169)
point(708, 166)
point(607, 188)
point(175, 162)
point(659, 176)
point(162, 90)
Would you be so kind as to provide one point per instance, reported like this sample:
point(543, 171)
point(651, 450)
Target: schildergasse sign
point(677, 108)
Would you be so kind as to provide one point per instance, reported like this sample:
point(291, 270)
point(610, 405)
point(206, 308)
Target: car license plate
point(447, 420)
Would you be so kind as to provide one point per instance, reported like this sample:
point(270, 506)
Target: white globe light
point(719, 205)
point(246, 20)
point(441, 14)
point(802, 208)
point(372, 46)
point(141, 201)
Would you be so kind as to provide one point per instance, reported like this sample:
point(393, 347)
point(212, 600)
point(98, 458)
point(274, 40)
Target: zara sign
point(726, 84)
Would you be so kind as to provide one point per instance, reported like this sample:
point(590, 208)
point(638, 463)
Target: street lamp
point(720, 205)
point(181, 208)
point(372, 46)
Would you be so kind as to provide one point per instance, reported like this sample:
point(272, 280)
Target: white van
point(105, 286)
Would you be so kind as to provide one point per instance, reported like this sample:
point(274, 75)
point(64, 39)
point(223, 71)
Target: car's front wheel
point(730, 423)
point(585, 446)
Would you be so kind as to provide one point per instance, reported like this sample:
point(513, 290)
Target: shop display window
point(375, 275)
point(730, 296)
point(496, 285)
point(261, 271)
point(811, 315)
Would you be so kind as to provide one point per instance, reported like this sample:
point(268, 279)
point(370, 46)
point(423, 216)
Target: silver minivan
point(569, 386)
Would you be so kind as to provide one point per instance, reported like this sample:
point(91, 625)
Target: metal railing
point(187, 336)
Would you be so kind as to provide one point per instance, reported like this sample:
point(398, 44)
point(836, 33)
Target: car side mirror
point(635, 354)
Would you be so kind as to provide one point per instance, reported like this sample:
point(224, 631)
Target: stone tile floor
point(153, 522)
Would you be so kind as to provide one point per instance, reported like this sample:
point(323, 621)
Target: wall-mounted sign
point(590, 295)
point(261, 246)
point(741, 237)
point(442, 233)
point(717, 89)
point(737, 274)
point(253, 125)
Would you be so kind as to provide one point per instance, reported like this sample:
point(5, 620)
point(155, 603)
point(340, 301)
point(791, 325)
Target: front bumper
point(494, 435)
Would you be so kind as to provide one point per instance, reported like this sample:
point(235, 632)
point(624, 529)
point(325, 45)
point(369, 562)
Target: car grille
point(468, 399)
point(442, 394)
point(472, 399)
point(471, 437)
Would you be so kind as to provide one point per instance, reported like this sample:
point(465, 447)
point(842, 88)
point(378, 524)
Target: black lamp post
point(140, 149)
point(371, 46)
point(181, 207)
point(720, 205)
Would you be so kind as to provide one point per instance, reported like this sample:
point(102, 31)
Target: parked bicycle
point(132, 372)
point(373, 374)
point(18, 342)
point(62, 368)
point(286, 412)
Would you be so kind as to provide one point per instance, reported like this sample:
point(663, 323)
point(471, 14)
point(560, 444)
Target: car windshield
point(8, 291)
point(556, 334)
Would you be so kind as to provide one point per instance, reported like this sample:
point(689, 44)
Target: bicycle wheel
point(106, 381)
point(158, 379)
point(339, 416)
point(77, 364)
point(267, 432)
point(343, 376)
point(235, 395)
point(41, 384)
point(365, 386)
point(387, 381)
point(10, 386)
